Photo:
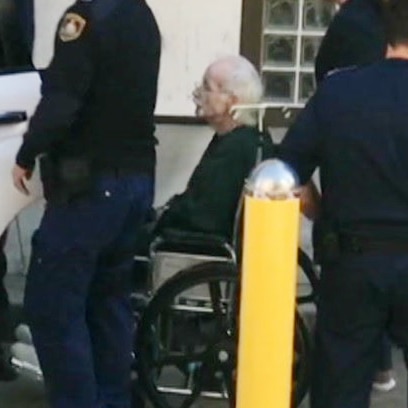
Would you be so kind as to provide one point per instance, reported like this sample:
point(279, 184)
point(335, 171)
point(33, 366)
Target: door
point(19, 95)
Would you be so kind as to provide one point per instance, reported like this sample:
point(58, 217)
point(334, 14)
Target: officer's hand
point(20, 175)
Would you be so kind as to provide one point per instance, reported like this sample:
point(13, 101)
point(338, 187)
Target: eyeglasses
point(200, 90)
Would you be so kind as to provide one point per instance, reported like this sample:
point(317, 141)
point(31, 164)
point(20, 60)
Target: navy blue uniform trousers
point(3, 270)
point(361, 295)
point(76, 298)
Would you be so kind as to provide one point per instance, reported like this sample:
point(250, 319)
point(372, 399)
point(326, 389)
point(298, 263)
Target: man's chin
point(199, 112)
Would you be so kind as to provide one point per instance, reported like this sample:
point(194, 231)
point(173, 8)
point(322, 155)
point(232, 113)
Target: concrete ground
point(27, 393)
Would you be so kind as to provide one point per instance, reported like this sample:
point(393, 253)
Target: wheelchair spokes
point(187, 341)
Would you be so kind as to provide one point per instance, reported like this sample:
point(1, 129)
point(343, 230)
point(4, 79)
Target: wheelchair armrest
point(175, 240)
point(175, 236)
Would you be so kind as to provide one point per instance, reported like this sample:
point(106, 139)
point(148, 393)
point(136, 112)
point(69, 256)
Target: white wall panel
point(47, 14)
point(194, 32)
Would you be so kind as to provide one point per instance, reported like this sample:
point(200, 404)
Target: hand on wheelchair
point(156, 220)
point(154, 223)
point(159, 211)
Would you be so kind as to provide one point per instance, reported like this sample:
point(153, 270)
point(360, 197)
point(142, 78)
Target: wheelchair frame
point(199, 304)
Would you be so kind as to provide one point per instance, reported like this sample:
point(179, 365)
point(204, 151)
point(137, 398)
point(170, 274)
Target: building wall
point(194, 33)
point(47, 14)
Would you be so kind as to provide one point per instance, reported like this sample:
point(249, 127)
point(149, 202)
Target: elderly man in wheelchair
point(185, 311)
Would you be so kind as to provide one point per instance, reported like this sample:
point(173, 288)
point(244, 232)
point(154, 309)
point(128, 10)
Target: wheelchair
point(186, 324)
point(187, 327)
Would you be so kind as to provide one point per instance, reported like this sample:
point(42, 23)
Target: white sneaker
point(24, 359)
point(24, 352)
point(23, 334)
point(385, 386)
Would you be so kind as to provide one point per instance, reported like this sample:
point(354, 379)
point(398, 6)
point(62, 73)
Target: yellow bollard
point(271, 228)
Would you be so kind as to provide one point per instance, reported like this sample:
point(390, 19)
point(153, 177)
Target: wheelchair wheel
point(302, 357)
point(187, 340)
point(305, 264)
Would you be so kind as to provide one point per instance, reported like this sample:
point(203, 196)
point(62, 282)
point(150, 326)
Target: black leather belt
point(120, 171)
point(116, 172)
point(360, 245)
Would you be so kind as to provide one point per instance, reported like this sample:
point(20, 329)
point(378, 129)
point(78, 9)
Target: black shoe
point(7, 372)
point(138, 399)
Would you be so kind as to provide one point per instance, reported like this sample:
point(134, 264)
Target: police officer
point(354, 37)
point(94, 123)
point(355, 129)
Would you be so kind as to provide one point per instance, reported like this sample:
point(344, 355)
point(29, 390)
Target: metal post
point(271, 230)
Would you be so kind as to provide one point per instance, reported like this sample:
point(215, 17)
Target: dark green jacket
point(211, 198)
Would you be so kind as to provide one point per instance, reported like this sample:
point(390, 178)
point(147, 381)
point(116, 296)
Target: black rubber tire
point(304, 342)
point(190, 277)
point(306, 265)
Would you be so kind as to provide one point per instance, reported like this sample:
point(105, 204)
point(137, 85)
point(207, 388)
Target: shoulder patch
point(71, 27)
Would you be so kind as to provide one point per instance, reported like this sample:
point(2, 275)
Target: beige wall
point(47, 14)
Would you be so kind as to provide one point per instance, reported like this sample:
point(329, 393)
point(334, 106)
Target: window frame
point(280, 114)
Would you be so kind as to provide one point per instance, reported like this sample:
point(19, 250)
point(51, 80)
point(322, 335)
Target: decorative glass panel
point(281, 14)
point(286, 68)
point(279, 86)
point(310, 46)
point(317, 14)
point(280, 50)
point(307, 86)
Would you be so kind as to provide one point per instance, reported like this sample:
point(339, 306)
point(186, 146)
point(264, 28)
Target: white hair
point(243, 81)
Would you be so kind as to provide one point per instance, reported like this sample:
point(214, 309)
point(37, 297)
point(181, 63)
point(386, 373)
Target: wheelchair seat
point(176, 249)
point(199, 243)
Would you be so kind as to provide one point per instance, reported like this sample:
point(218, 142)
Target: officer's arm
point(302, 144)
point(310, 201)
point(65, 86)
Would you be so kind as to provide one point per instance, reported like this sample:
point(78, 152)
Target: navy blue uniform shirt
point(99, 92)
point(354, 37)
point(355, 128)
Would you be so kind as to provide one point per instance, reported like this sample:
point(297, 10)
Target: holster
point(65, 179)
point(326, 241)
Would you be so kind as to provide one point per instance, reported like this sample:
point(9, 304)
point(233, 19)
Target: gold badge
point(71, 27)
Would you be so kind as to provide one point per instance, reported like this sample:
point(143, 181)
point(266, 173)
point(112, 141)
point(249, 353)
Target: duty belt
point(360, 245)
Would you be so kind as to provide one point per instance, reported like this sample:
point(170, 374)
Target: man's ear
point(232, 101)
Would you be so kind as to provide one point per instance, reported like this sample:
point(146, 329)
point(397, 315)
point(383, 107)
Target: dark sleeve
point(348, 44)
point(65, 85)
point(302, 145)
point(211, 206)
